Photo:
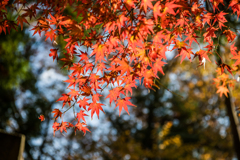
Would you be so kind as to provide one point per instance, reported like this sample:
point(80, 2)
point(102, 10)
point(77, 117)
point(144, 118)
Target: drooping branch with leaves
point(116, 45)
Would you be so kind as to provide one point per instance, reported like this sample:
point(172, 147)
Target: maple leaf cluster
point(127, 42)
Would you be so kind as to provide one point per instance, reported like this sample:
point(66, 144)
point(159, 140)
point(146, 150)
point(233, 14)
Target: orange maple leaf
point(237, 57)
point(223, 90)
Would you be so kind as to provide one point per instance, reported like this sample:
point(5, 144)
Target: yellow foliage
point(166, 141)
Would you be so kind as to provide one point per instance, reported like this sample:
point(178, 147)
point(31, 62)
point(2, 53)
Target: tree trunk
point(234, 124)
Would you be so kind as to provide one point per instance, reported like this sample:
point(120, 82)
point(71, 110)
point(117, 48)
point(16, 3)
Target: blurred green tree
point(21, 100)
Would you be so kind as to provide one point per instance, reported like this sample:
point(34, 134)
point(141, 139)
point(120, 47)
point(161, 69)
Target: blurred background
point(184, 119)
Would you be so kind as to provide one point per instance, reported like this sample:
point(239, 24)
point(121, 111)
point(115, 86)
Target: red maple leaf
point(57, 113)
point(223, 66)
point(81, 115)
point(67, 60)
point(77, 69)
point(146, 3)
point(53, 54)
point(95, 97)
point(210, 33)
point(20, 21)
point(220, 19)
point(101, 67)
point(158, 66)
point(55, 127)
point(123, 66)
point(123, 103)
point(98, 52)
point(185, 53)
point(87, 90)
point(207, 18)
point(95, 107)
point(37, 29)
point(83, 103)
point(81, 127)
point(114, 94)
point(70, 125)
point(81, 80)
point(53, 20)
point(156, 10)
point(63, 127)
point(230, 35)
point(41, 117)
point(31, 12)
point(169, 6)
point(84, 56)
point(72, 81)
point(66, 99)
point(202, 54)
point(50, 34)
point(128, 87)
point(73, 93)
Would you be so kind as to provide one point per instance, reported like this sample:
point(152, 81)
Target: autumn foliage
point(127, 42)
